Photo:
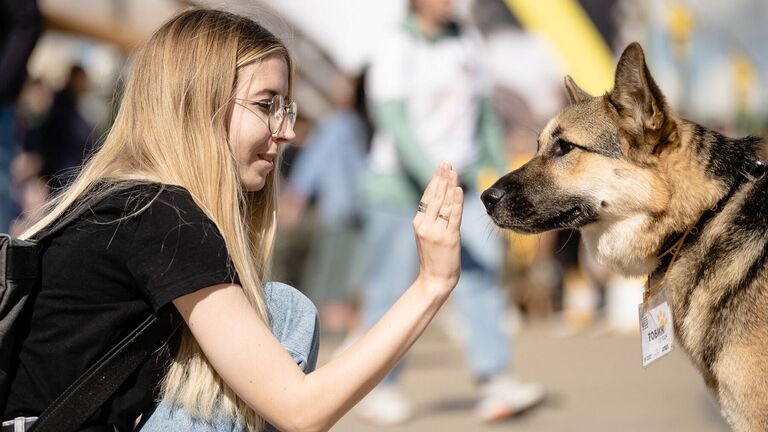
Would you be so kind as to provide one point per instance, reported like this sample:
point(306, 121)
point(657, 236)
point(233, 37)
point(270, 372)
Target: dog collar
point(669, 250)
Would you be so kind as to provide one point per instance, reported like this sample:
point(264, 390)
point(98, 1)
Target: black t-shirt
point(100, 277)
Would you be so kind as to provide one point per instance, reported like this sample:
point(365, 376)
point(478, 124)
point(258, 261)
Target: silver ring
point(443, 217)
point(422, 207)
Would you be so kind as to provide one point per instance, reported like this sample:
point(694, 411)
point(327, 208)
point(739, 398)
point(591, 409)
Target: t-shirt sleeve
point(177, 250)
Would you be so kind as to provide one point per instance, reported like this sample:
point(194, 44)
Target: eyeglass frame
point(289, 111)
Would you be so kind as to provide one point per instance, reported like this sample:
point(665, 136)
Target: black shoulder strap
point(81, 399)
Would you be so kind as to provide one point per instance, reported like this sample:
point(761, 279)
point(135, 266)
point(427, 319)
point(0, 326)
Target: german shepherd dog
point(637, 180)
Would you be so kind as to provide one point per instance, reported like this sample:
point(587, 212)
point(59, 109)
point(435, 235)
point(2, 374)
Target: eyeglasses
point(277, 110)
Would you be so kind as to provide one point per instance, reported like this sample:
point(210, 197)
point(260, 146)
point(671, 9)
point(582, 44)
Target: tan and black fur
point(633, 176)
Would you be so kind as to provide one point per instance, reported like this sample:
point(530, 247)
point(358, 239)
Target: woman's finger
point(457, 209)
point(438, 193)
point(428, 192)
point(448, 202)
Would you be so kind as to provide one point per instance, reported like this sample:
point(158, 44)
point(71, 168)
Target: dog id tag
point(656, 330)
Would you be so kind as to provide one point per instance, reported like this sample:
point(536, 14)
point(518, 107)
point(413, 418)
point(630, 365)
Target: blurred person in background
point(175, 217)
point(429, 94)
point(328, 172)
point(20, 27)
point(31, 189)
point(56, 140)
point(66, 136)
point(295, 231)
point(527, 91)
point(529, 272)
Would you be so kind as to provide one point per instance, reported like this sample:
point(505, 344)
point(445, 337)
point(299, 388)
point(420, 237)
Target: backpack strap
point(81, 399)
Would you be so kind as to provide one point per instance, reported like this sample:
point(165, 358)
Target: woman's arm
point(253, 363)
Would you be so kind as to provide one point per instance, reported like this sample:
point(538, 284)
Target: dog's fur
point(633, 176)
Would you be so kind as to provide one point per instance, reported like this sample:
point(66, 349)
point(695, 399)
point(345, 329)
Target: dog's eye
point(563, 148)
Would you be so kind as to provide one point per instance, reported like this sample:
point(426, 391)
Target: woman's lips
point(267, 160)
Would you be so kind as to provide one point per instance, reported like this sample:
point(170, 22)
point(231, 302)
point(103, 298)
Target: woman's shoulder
point(169, 245)
point(143, 191)
point(136, 202)
point(138, 196)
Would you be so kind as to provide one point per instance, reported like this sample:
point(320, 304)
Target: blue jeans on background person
point(478, 296)
point(294, 322)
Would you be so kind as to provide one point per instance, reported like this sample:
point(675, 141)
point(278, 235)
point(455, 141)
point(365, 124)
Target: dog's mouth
point(575, 216)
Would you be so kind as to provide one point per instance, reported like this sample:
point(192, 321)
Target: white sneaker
point(384, 406)
point(504, 397)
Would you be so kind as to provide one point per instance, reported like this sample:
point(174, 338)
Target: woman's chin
point(254, 184)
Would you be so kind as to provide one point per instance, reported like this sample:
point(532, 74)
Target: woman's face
point(438, 11)
point(254, 147)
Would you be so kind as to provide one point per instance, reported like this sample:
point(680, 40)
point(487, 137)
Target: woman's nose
point(285, 132)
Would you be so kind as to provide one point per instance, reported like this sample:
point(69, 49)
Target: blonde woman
point(184, 225)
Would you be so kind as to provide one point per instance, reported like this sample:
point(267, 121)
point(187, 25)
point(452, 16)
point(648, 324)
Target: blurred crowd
point(327, 214)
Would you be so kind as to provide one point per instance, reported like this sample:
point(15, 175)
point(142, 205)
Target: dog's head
point(597, 161)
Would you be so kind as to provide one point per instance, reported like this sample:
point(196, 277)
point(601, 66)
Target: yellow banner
point(584, 53)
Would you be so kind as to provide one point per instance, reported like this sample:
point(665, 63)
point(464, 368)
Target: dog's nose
point(491, 197)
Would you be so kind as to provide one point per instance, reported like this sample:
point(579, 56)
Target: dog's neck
point(741, 158)
point(677, 240)
point(705, 169)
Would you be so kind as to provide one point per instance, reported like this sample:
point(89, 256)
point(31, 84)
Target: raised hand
point(436, 225)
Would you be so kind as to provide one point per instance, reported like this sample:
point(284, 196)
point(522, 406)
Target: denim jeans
point(294, 322)
point(478, 296)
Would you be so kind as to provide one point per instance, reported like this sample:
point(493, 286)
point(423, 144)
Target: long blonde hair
point(171, 128)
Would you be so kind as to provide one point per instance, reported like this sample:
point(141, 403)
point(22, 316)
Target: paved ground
point(595, 383)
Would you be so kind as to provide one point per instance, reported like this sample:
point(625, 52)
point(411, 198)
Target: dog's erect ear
point(635, 93)
point(574, 92)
